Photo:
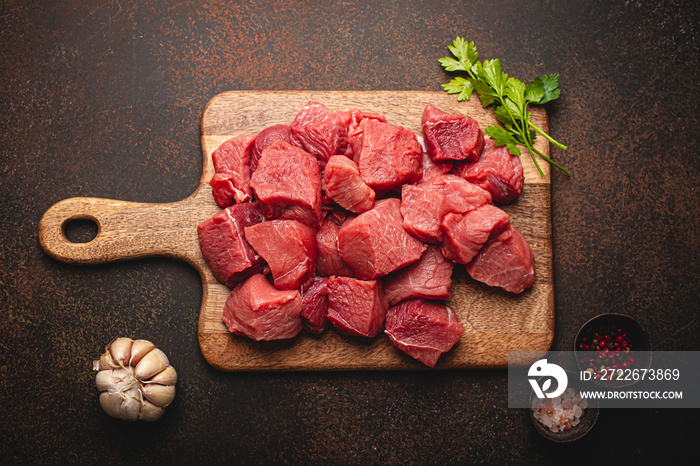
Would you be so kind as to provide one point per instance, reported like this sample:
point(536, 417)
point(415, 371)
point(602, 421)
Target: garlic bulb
point(135, 379)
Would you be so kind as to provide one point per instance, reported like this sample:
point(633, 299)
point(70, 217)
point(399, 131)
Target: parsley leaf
point(502, 137)
point(450, 64)
point(515, 92)
point(551, 88)
point(504, 116)
point(460, 86)
point(464, 51)
point(534, 92)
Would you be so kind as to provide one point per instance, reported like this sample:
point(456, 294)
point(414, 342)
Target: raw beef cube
point(356, 307)
point(233, 159)
point(497, 171)
point(461, 195)
point(429, 277)
point(388, 156)
point(466, 234)
point(287, 183)
point(375, 243)
point(314, 306)
point(424, 206)
point(265, 139)
point(225, 192)
point(422, 329)
point(451, 137)
point(288, 247)
point(223, 244)
point(320, 132)
point(423, 210)
point(353, 119)
point(344, 185)
point(505, 261)
point(328, 261)
point(258, 310)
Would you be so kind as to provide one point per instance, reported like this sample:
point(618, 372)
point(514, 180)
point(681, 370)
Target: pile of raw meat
point(359, 226)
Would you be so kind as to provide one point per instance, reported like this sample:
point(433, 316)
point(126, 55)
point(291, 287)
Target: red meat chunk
point(506, 262)
point(314, 306)
point(232, 158)
point(466, 234)
point(388, 155)
point(223, 244)
point(258, 310)
point(287, 183)
point(265, 139)
point(461, 195)
point(288, 247)
point(344, 186)
point(353, 119)
point(375, 242)
point(328, 260)
point(429, 277)
point(356, 307)
point(422, 211)
point(424, 206)
point(451, 137)
point(224, 190)
point(497, 171)
point(423, 329)
point(320, 132)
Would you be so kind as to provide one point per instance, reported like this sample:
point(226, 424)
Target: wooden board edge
point(216, 346)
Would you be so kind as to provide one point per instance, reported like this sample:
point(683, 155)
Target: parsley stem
point(551, 162)
point(530, 149)
point(547, 136)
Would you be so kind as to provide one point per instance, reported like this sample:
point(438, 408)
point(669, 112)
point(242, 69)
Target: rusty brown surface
point(103, 99)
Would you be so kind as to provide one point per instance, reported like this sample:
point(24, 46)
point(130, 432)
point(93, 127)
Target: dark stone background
point(104, 98)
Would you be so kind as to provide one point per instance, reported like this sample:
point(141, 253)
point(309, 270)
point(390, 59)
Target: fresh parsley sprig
point(509, 97)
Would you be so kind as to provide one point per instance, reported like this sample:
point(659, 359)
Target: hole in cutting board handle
point(80, 229)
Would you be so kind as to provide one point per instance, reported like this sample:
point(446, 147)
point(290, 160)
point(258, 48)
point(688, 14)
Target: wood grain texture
point(495, 321)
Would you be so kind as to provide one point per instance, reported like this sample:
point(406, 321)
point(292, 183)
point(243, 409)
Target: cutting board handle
point(125, 230)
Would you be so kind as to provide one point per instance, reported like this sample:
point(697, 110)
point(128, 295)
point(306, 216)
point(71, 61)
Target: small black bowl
point(639, 343)
point(588, 419)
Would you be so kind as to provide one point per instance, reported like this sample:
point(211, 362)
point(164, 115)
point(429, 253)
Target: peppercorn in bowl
point(610, 346)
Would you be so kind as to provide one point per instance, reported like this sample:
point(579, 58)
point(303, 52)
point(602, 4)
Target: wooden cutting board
point(495, 321)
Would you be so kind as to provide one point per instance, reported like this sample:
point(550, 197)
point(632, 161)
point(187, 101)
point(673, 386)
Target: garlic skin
point(135, 380)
